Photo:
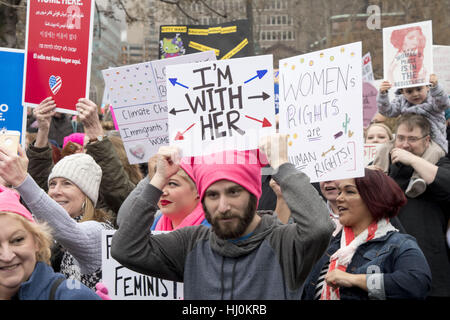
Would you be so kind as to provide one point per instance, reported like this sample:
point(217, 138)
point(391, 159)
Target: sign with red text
point(321, 109)
point(138, 97)
point(58, 52)
point(220, 105)
point(370, 151)
point(408, 54)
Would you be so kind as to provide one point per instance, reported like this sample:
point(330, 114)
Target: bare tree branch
point(223, 15)
point(177, 4)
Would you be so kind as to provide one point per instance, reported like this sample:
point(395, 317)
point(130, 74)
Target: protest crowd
point(231, 224)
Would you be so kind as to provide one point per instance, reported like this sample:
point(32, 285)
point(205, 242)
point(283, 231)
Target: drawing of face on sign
point(222, 105)
point(408, 54)
point(321, 110)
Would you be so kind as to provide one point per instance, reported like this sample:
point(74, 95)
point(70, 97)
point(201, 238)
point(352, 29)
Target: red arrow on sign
point(265, 122)
point(180, 136)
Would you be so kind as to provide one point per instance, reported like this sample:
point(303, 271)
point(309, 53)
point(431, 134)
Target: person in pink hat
point(244, 255)
point(25, 273)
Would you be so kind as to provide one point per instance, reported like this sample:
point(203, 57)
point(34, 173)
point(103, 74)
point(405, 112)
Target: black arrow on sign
point(174, 112)
point(264, 96)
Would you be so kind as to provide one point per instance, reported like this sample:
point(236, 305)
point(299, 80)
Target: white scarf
point(349, 243)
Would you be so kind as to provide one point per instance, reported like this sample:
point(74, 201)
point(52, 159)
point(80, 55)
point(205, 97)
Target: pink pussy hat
point(241, 167)
point(9, 202)
point(74, 137)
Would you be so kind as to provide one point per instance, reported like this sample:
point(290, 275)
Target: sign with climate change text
point(321, 109)
point(138, 96)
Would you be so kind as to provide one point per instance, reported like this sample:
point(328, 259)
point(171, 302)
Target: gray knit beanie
point(82, 170)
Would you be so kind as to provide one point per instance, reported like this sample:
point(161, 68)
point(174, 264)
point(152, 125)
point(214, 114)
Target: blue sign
point(12, 114)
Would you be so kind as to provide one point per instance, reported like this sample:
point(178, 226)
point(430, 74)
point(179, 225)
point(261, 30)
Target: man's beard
point(225, 232)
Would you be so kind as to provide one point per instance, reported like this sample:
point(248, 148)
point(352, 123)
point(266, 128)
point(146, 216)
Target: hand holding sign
point(275, 147)
point(88, 115)
point(167, 164)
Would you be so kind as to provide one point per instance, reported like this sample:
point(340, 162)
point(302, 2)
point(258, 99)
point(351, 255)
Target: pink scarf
point(349, 243)
point(195, 218)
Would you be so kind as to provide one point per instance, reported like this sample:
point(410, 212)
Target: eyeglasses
point(410, 140)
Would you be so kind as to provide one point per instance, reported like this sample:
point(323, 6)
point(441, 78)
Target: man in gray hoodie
point(243, 255)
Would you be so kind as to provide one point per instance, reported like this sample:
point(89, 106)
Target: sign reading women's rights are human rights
point(321, 109)
point(220, 105)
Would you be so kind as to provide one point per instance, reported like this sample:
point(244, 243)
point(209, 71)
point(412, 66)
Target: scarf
point(349, 243)
point(195, 218)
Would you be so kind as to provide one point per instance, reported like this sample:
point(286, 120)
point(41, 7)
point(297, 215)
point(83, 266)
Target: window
point(278, 19)
point(284, 19)
point(268, 20)
point(269, 35)
point(263, 35)
point(284, 35)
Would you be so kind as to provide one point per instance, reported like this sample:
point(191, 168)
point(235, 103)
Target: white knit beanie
point(82, 170)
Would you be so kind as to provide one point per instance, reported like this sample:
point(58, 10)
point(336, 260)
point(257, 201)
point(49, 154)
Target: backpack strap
point(55, 286)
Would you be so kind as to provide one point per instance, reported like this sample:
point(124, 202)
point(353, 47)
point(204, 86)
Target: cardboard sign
point(408, 54)
point(124, 284)
point(58, 52)
point(367, 68)
point(441, 63)
point(12, 114)
point(321, 109)
point(223, 105)
point(370, 107)
point(138, 96)
point(227, 40)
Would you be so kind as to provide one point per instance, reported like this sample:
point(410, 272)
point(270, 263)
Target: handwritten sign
point(408, 54)
point(223, 105)
point(227, 40)
point(138, 96)
point(12, 114)
point(124, 284)
point(441, 63)
point(321, 109)
point(58, 52)
point(370, 151)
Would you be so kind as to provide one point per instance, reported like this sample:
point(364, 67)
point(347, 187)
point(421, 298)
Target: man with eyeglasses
point(426, 216)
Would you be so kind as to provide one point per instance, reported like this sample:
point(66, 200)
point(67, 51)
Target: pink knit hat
point(241, 167)
point(9, 202)
point(74, 137)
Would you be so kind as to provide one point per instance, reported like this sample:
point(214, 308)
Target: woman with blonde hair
point(25, 273)
point(378, 133)
point(69, 209)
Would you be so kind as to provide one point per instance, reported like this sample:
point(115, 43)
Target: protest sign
point(138, 96)
point(58, 52)
point(441, 63)
point(408, 54)
point(12, 113)
point(367, 68)
point(125, 284)
point(227, 40)
point(369, 102)
point(222, 105)
point(321, 109)
point(370, 151)
point(276, 90)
